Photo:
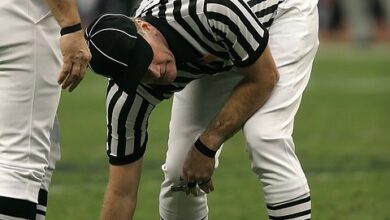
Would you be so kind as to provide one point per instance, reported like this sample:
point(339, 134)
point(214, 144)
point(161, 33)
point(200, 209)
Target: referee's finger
point(73, 78)
point(74, 84)
point(206, 186)
point(65, 71)
point(194, 191)
point(191, 184)
point(69, 80)
point(80, 76)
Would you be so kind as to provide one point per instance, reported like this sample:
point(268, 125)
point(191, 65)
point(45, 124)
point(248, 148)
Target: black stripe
point(17, 208)
point(162, 8)
point(235, 29)
point(201, 219)
point(251, 3)
point(42, 197)
point(41, 212)
point(292, 216)
point(116, 161)
point(110, 110)
point(233, 7)
point(268, 23)
point(194, 15)
point(147, 9)
point(178, 17)
point(122, 119)
point(254, 56)
point(157, 94)
point(289, 204)
point(148, 12)
point(267, 11)
point(247, 23)
point(160, 92)
point(109, 86)
point(138, 129)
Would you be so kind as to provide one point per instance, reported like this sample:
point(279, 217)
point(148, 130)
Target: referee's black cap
point(118, 51)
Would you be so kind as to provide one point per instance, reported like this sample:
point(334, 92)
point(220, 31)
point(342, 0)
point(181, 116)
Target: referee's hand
point(76, 56)
point(198, 169)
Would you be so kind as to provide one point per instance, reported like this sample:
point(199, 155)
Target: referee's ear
point(143, 26)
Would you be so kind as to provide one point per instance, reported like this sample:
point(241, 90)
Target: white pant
point(268, 133)
point(54, 156)
point(29, 94)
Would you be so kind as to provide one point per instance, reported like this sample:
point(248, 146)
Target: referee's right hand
point(198, 169)
point(76, 56)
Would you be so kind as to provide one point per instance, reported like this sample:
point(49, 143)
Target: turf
point(342, 135)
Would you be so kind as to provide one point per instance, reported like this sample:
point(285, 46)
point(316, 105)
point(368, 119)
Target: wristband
point(70, 29)
point(204, 149)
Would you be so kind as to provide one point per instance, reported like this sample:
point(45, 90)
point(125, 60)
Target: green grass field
point(342, 135)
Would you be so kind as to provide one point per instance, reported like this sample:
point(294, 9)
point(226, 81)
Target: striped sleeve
point(237, 28)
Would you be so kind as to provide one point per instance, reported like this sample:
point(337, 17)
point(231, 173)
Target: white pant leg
point(29, 64)
point(54, 156)
point(268, 133)
point(192, 110)
point(293, 41)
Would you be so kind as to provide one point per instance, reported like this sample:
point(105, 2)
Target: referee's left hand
point(198, 168)
point(76, 56)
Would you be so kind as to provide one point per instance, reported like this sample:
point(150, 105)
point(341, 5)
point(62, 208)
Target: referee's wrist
point(205, 150)
point(70, 29)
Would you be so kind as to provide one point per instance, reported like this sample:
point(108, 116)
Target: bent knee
point(172, 173)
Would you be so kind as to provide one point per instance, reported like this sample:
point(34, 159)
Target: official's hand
point(198, 169)
point(76, 56)
point(207, 186)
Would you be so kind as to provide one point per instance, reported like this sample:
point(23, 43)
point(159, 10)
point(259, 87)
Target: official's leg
point(29, 96)
point(194, 106)
point(54, 156)
point(293, 42)
point(121, 194)
point(192, 110)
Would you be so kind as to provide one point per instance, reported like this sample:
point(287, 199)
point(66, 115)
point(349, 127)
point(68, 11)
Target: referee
point(225, 45)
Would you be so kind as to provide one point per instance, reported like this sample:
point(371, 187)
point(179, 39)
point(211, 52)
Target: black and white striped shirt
point(206, 37)
point(221, 33)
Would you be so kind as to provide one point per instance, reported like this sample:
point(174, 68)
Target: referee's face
point(162, 69)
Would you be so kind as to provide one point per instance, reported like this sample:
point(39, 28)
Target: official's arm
point(74, 49)
point(246, 98)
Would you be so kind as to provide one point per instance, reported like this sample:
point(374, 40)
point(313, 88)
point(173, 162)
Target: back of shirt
point(224, 33)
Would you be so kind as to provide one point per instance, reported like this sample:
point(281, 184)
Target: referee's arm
point(74, 49)
point(246, 98)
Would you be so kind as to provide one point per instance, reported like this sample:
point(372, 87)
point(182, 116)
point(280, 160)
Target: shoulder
point(232, 15)
point(231, 7)
point(235, 12)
